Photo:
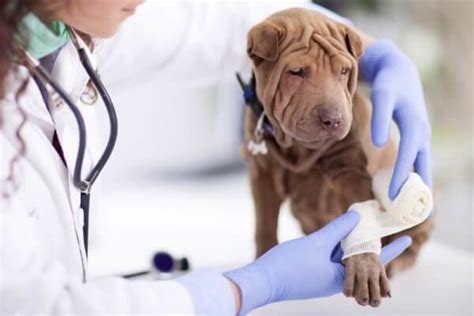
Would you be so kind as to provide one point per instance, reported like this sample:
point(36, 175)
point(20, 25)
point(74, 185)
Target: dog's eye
point(345, 70)
point(297, 71)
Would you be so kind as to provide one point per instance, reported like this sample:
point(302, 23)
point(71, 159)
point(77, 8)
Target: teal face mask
point(42, 40)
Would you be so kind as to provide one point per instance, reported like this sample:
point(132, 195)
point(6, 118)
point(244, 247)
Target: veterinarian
point(42, 245)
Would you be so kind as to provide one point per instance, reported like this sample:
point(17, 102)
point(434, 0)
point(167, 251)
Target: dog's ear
point(353, 42)
point(263, 42)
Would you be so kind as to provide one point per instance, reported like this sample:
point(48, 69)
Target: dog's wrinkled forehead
point(324, 54)
point(295, 29)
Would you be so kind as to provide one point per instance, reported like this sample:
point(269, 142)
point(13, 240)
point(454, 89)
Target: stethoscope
point(162, 263)
point(83, 185)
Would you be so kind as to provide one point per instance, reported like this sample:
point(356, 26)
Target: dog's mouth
point(311, 124)
point(306, 138)
point(310, 134)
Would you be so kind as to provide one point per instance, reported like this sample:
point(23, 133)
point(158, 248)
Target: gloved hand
point(302, 268)
point(397, 93)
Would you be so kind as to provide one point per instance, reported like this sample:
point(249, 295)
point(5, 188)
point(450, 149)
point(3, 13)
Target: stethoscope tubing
point(45, 77)
point(83, 185)
point(109, 105)
point(162, 263)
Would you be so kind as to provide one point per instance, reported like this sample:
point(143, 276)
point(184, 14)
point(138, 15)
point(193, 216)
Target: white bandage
point(383, 217)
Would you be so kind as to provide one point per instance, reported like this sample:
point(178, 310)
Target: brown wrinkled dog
point(320, 154)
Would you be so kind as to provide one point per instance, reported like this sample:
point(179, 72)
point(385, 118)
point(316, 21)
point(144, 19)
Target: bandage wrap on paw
point(383, 217)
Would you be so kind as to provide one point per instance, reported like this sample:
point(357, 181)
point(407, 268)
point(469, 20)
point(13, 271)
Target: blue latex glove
point(397, 93)
point(307, 267)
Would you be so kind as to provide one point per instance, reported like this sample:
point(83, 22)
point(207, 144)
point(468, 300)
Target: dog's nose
point(329, 119)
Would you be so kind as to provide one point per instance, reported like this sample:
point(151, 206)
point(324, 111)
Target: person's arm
point(170, 47)
point(187, 43)
point(34, 278)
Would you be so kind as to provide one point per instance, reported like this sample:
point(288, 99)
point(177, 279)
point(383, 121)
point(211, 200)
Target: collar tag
point(258, 146)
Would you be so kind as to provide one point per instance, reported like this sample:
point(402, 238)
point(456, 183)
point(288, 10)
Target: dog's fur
point(320, 155)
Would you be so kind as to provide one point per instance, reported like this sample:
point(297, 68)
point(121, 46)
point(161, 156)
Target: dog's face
point(306, 70)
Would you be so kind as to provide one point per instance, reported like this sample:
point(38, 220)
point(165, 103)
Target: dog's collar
point(251, 100)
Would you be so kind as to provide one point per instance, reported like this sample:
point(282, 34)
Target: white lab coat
point(43, 265)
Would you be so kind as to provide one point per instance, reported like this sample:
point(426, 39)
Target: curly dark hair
point(11, 14)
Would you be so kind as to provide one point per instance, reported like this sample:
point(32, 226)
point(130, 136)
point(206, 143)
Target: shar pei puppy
point(318, 153)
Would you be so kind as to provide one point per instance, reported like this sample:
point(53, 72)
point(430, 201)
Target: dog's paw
point(366, 279)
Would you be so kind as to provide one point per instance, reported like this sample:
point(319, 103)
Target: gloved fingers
point(337, 229)
point(405, 159)
point(383, 101)
point(394, 249)
point(423, 166)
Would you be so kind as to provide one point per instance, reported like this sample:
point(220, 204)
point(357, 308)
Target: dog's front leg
point(345, 168)
point(266, 184)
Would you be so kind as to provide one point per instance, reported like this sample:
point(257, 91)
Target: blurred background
point(176, 181)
